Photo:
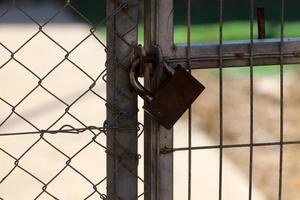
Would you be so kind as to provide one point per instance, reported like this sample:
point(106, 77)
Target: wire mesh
point(53, 128)
point(209, 176)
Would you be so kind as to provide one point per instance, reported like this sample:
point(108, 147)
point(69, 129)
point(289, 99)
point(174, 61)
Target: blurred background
point(69, 26)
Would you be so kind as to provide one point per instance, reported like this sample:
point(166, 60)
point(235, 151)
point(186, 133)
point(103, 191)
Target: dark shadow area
point(203, 11)
point(207, 11)
point(43, 10)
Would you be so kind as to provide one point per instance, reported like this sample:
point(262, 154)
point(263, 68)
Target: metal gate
point(74, 140)
point(159, 31)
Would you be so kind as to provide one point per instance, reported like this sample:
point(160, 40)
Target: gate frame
point(158, 165)
point(122, 121)
point(159, 31)
point(206, 54)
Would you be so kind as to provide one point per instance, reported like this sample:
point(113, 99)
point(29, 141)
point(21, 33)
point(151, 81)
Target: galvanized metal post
point(122, 123)
point(158, 166)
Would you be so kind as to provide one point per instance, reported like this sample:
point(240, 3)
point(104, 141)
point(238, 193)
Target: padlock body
point(174, 97)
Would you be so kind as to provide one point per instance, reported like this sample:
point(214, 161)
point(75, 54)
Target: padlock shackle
point(139, 61)
point(141, 91)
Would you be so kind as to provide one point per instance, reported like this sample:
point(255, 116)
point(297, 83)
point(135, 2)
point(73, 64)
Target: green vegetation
point(234, 30)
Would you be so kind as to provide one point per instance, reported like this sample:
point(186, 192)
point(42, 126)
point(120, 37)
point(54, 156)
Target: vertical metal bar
point(261, 22)
point(251, 97)
point(281, 96)
point(162, 13)
point(158, 166)
point(221, 98)
point(150, 140)
point(122, 109)
point(189, 64)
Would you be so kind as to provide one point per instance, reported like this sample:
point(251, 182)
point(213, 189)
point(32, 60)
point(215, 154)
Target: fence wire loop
point(92, 135)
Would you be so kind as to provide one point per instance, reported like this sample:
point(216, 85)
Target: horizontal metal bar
point(229, 146)
point(237, 53)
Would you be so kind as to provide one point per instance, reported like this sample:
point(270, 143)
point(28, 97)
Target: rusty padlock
point(175, 95)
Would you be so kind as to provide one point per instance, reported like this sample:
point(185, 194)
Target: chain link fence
point(69, 119)
point(55, 138)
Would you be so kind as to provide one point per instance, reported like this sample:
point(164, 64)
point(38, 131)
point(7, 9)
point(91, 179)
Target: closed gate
point(161, 171)
point(57, 141)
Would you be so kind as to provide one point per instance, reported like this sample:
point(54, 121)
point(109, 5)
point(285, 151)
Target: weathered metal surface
point(237, 53)
point(174, 97)
point(122, 136)
point(158, 167)
point(261, 23)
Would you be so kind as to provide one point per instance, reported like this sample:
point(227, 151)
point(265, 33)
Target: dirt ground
point(266, 119)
